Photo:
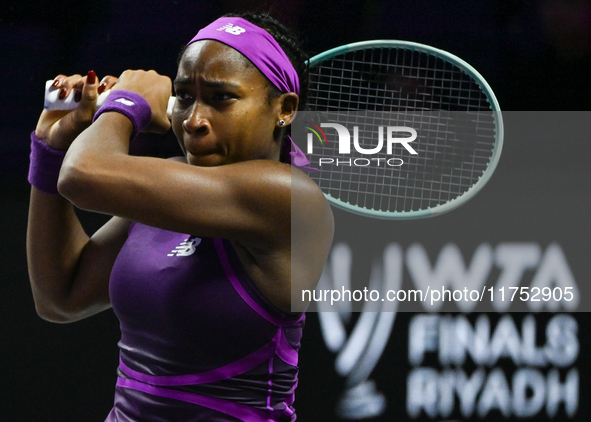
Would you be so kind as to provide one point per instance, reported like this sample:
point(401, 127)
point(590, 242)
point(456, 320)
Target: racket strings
point(393, 78)
point(445, 105)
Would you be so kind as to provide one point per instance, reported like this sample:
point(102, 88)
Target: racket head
point(414, 83)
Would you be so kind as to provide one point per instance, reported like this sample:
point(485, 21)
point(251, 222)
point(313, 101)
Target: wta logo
point(358, 145)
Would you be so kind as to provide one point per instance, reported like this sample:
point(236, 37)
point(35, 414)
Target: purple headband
point(258, 46)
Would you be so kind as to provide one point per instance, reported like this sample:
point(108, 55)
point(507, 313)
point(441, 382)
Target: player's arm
point(68, 270)
point(249, 201)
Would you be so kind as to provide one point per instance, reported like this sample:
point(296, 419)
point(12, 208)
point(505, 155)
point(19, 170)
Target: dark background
point(535, 55)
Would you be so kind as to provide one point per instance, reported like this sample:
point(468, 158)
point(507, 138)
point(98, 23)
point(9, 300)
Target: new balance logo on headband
point(231, 29)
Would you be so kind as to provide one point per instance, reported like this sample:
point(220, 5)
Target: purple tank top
point(198, 341)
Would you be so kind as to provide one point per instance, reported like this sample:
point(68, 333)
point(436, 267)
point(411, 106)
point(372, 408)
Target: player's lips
point(201, 147)
point(203, 152)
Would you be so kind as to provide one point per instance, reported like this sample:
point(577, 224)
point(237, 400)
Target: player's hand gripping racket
point(52, 101)
point(408, 90)
point(418, 89)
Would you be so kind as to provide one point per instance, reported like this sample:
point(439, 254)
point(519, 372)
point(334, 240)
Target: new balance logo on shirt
point(186, 248)
point(231, 29)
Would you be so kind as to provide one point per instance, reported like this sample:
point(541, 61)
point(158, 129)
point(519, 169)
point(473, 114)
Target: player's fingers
point(57, 81)
point(78, 89)
point(67, 84)
point(107, 83)
point(86, 93)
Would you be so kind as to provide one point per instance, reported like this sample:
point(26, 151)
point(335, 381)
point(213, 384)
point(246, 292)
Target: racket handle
point(52, 101)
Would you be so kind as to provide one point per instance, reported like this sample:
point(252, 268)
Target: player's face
point(223, 113)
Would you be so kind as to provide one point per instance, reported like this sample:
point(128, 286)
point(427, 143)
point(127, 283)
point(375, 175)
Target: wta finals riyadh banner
point(475, 315)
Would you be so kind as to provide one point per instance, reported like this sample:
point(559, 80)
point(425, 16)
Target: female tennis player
point(199, 258)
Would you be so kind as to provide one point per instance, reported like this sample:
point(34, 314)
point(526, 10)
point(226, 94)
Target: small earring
point(282, 122)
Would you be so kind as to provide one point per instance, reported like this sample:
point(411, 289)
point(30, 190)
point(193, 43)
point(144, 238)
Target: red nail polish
point(91, 77)
point(102, 88)
point(62, 94)
point(55, 83)
point(77, 96)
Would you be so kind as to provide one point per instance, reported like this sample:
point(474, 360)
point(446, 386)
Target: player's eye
point(223, 96)
point(183, 96)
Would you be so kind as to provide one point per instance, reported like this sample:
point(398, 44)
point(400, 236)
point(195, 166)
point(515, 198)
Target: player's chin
point(205, 160)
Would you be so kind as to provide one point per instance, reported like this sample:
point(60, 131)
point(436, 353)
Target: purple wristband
point(132, 105)
point(45, 165)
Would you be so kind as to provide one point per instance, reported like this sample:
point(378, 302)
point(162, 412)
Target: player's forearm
point(92, 157)
point(55, 240)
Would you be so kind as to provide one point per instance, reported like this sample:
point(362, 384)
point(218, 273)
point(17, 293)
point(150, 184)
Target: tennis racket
point(430, 101)
point(444, 108)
